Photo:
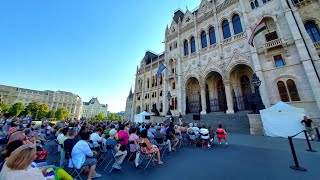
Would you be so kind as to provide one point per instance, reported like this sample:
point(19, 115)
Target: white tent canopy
point(139, 118)
point(282, 120)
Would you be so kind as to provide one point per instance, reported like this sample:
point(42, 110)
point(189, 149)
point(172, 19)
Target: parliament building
point(210, 63)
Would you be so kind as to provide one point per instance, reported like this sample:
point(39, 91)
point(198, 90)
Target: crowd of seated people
point(81, 144)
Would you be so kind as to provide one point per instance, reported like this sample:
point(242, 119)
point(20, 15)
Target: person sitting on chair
point(159, 135)
point(121, 151)
point(149, 147)
point(79, 154)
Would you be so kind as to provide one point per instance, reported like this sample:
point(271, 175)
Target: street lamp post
point(256, 82)
point(169, 97)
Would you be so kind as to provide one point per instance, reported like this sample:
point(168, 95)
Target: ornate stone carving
point(241, 45)
point(228, 49)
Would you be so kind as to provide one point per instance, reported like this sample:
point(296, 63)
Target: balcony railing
point(274, 43)
point(239, 36)
point(317, 45)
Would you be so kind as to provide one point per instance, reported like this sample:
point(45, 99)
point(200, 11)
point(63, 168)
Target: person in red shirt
point(222, 134)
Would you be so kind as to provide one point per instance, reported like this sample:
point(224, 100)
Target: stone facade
point(210, 63)
point(93, 107)
point(54, 99)
point(129, 111)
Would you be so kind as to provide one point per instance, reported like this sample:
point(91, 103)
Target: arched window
point(212, 36)
point(283, 91)
point(252, 5)
point(293, 92)
point(148, 83)
point(175, 103)
point(313, 31)
point(256, 3)
point(226, 29)
point(193, 45)
point(186, 47)
point(237, 28)
point(203, 39)
point(172, 104)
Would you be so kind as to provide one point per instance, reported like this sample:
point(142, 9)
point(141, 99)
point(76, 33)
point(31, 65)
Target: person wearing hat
point(121, 151)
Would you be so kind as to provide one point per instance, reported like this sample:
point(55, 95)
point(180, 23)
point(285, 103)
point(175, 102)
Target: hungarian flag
point(160, 69)
point(259, 28)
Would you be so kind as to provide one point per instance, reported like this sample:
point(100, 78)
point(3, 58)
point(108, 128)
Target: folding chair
point(161, 145)
point(75, 169)
point(148, 157)
point(131, 143)
point(112, 160)
point(103, 151)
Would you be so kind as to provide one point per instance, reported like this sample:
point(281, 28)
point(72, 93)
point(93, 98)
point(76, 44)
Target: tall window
point(175, 103)
point(237, 28)
point(313, 31)
point(226, 29)
point(278, 61)
point(203, 39)
point(148, 83)
point(271, 36)
point(212, 36)
point(283, 91)
point(256, 3)
point(186, 47)
point(294, 95)
point(193, 45)
point(173, 85)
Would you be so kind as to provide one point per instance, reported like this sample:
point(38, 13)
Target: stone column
point(231, 27)
point(228, 97)
point(203, 99)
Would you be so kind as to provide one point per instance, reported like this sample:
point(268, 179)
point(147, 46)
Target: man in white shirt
point(95, 137)
point(79, 153)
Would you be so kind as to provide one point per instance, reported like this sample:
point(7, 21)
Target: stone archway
point(215, 93)
point(240, 78)
point(193, 99)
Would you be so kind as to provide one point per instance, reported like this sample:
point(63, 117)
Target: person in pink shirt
point(123, 135)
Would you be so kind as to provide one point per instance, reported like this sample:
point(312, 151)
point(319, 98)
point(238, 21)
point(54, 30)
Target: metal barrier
point(296, 163)
point(297, 166)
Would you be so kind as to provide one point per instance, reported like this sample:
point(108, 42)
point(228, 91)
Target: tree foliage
point(51, 114)
point(43, 111)
point(32, 108)
point(5, 108)
point(16, 109)
point(62, 113)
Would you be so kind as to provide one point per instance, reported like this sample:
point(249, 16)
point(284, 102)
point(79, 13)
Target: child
point(221, 134)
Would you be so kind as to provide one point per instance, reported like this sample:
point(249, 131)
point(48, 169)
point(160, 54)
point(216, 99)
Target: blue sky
point(88, 47)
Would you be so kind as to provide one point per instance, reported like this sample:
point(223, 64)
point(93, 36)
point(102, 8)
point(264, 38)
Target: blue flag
point(160, 69)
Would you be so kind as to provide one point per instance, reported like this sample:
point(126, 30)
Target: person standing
point(180, 119)
point(308, 125)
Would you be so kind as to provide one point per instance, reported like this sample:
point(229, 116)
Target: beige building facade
point(93, 107)
point(54, 99)
point(210, 63)
point(130, 109)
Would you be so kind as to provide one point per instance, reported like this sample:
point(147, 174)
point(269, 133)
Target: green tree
point(16, 109)
point(62, 112)
point(33, 109)
point(120, 118)
point(100, 116)
point(51, 114)
point(43, 111)
point(5, 108)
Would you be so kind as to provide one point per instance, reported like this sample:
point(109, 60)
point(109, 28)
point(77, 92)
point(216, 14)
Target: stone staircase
point(238, 122)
